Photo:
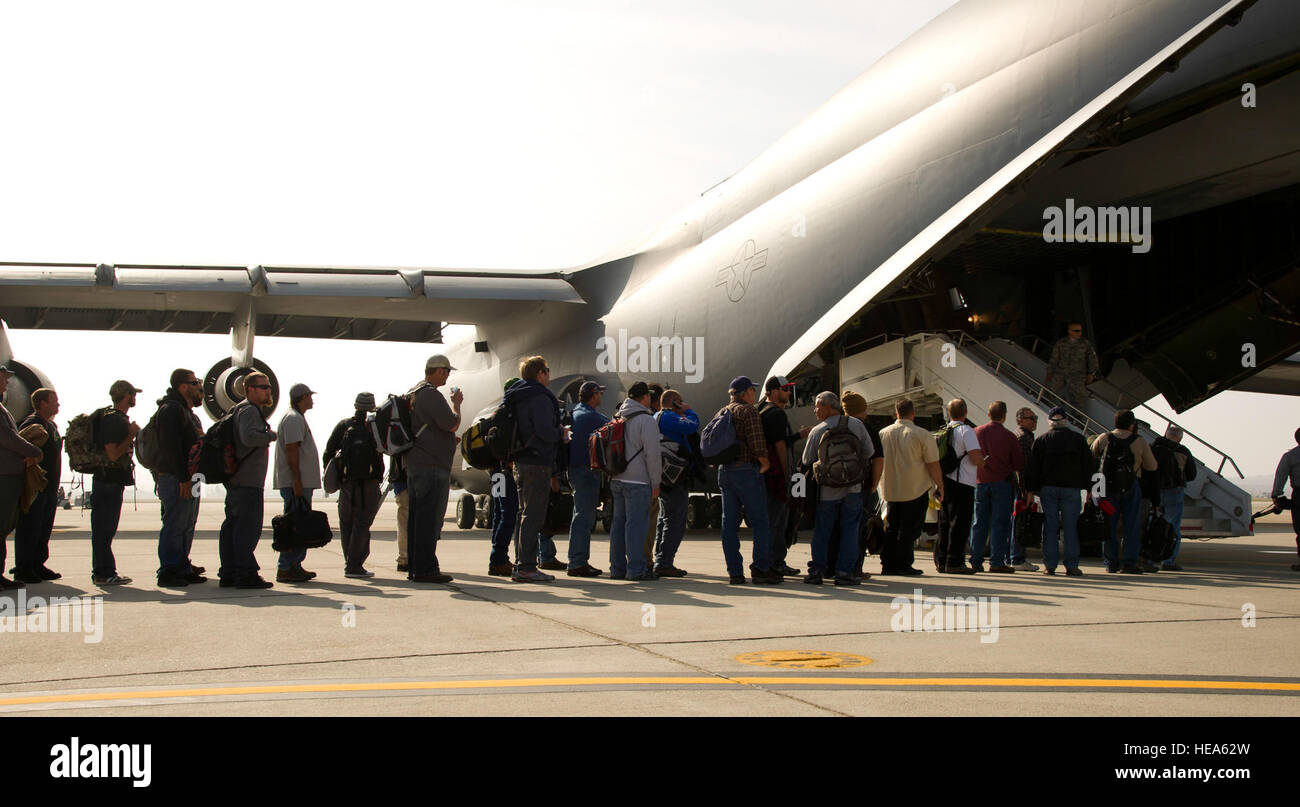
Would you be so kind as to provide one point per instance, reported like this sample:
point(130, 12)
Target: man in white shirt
point(958, 506)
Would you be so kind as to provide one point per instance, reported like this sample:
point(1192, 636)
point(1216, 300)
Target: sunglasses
point(259, 386)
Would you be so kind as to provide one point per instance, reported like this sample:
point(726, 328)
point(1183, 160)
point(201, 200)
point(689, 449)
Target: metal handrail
point(1223, 457)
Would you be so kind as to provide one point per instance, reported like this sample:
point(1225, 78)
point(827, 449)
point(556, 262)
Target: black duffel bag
point(1028, 527)
point(1158, 539)
point(1092, 524)
point(300, 528)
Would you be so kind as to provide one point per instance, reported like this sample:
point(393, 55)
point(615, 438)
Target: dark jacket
point(52, 458)
point(335, 444)
point(1060, 458)
point(1177, 475)
point(178, 430)
point(539, 422)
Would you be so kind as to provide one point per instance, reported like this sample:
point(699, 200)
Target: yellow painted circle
point(803, 659)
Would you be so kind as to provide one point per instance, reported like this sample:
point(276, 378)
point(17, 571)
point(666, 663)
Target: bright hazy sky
point(492, 134)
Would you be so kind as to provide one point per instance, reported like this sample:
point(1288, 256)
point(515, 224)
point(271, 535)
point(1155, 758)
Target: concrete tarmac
point(1220, 638)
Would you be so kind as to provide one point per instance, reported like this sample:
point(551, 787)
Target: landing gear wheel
point(697, 517)
point(465, 511)
point(715, 512)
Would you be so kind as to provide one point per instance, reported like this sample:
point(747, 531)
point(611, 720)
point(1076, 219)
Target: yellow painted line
point(518, 683)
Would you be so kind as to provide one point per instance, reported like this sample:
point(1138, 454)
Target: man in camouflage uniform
point(1073, 366)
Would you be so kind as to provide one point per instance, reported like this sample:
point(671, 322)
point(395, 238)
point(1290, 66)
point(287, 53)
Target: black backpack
point(503, 438)
point(356, 452)
point(218, 460)
point(1159, 538)
point(1117, 466)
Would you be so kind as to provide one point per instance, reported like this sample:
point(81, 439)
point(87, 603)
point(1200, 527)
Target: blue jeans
point(586, 498)
point(992, 522)
point(849, 512)
point(105, 513)
point(1128, 507)
point(627, 533)
point(1171, 504)
point(505, 510)
point(292, 560)
point(741, 484)
point(429, 488)
point(671, 527)
point(240, 532)
point(177, 533)
point(1061, 507)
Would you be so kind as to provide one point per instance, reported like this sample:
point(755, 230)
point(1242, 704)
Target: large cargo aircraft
point(1012, 166)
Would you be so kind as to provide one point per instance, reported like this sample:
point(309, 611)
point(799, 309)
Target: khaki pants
point(403, 503)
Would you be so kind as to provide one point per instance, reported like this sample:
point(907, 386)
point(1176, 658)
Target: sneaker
point(501, 569)
point(957, 570)
point(1130, 569)
point(292, 576)
point(1171, 567)
point(767, 577)
point(740, 580)
point(1002, 569)
point(647, 575)
point(786, 571)
point(585, 571)
point(435, 577)
point(813, 579)
point(403, 567)
point(255, 581)
point(1024, 566)
point(672, 571)
point(109, 580)
point(553, 565)
point(173, 580)
point(1073, 573)
point(6, 584)
point(1049, 572)
point(27, 577)
point(47, 573)
point(847, 580)
point(358, 573)
point(533, 576)
point(194, 569)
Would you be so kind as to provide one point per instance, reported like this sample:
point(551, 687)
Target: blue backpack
point(718, 443)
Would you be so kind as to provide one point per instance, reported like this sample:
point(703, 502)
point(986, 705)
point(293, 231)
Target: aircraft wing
point(395, 304)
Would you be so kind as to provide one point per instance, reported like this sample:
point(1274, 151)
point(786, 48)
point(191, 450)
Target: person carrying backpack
point(428, 468)
point(246, 487)
point(1176, 468)
point(1124, 456)
point(113, 432)
point(634, 487)
point(839, 451)
point(32, 533)
point(16, 455)
point(351, 446)
point(780, 455)
point(677, 422)
point(178, 429)
point(740, 480)
point(537, 416)
point(585, 482)
point(959, 483)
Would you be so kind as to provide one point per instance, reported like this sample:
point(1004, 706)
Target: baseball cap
point(638, 390)
point(741, 383)
point(776, 382)
point(121, 389)
point(365, 401)
point(437, 360)
point(1056, 413)
point(300, 391)
point(588, 389)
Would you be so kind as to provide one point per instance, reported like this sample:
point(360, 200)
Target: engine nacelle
point(223, 387)
point(18, 395)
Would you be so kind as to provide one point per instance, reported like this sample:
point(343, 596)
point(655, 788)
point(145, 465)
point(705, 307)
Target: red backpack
point(607, 446)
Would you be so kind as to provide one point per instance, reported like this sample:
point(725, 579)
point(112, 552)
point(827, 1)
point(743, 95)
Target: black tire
point(715, 513)
point(697, 514)
point(605, 515)
point(465, 511)
point(483, 514)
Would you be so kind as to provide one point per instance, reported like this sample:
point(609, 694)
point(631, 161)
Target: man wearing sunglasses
point(245, 489)
point(178, 430)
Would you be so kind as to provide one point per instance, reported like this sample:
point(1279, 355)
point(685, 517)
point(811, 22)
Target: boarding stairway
point(931, 368)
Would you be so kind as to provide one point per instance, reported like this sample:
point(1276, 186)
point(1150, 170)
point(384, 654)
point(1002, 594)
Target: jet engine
point(223, 387)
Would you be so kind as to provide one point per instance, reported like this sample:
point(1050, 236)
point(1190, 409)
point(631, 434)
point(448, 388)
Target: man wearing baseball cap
point(428, 469)
point(16, 454)
point(780, 443)
point(586, 484)
point(351, 446)
point(114, 432)
point(297, 473)
point(741, 483)
point(1060, 468)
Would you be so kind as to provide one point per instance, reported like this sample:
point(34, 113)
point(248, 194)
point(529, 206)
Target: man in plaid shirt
point(741, 483)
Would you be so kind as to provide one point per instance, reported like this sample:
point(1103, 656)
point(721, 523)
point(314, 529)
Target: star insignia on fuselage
point(749, 259)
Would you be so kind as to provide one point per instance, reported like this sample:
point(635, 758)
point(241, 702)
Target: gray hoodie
point(642, 445)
